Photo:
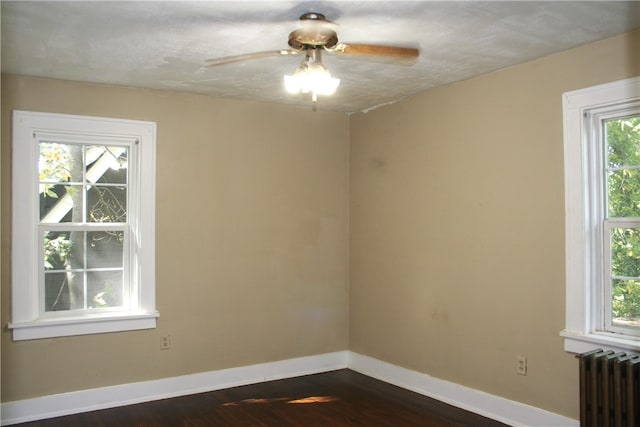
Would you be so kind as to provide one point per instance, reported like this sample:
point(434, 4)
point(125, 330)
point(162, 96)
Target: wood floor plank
point(337, 398)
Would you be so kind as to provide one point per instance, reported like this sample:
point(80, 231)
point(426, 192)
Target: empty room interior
point(411, 225)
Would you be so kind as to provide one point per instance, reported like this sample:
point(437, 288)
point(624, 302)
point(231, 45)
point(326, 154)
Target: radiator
point(609, 389)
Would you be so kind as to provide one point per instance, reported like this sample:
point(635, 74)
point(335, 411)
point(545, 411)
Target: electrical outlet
point(521, 366)
point(165, 342)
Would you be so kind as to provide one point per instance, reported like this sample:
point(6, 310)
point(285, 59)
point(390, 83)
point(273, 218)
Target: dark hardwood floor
point(338, 398)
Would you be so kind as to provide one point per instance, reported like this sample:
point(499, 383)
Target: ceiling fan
point(317, 34)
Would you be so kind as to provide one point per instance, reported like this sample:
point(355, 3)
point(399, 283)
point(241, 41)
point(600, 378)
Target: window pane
point(625, 274)
point(625, 303)
point(105, 249)
point(61, 203)
point(623, 193)
point(64, 250)
point(625, 252)
point(104, 289)
point(54, 163)
point(107, 204)
point(56, 250)
point(64, 291)
point(107, 164)
point(56, 293)
point(623, 142)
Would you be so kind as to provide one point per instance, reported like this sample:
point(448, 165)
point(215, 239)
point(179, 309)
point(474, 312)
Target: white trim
point(128, 394)
point(50, 328)
point(139, 312)
point(582, 276)
point(575, 342)
point(498, 408)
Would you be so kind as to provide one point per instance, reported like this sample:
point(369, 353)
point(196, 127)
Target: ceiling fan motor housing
point(315, 31)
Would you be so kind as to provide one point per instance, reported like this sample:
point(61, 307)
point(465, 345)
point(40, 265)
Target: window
point(83, 256)
point(602, 201)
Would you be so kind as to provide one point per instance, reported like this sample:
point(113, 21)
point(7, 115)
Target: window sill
point(577, 342)
point(64, 327)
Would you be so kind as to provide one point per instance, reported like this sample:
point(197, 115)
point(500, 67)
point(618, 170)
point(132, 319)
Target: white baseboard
point(127, 394)
point(498, 408)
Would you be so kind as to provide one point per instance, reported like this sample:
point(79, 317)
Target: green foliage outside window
point(623, 193)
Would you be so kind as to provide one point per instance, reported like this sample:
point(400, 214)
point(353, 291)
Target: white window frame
point(27, 319)
point(584, 217)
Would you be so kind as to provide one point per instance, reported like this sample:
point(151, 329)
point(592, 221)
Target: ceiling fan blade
point(214, 62)
point(378, 52)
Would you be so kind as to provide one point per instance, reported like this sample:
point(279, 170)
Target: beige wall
point(252, 235)
point(457, 227)
point(456, 233)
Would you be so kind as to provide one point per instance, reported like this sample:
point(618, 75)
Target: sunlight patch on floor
point(288, 400)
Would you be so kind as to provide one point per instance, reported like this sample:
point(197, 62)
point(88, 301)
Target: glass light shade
point(313, 78)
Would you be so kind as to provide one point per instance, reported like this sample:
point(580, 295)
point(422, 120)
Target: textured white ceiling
point(164, 45)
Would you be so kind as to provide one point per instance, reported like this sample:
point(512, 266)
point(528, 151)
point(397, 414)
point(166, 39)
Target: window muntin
point(83, 208)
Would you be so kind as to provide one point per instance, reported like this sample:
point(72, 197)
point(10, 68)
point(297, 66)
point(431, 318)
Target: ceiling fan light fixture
point(314, 35)
point(311, 77)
